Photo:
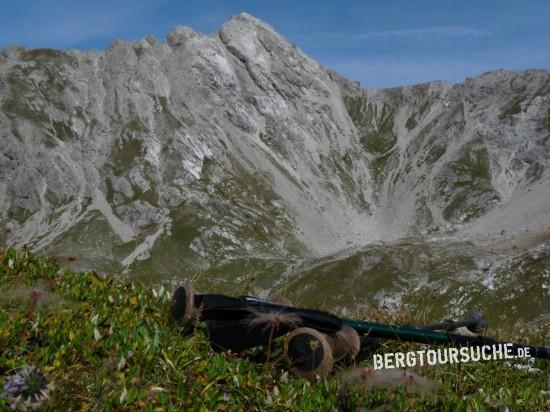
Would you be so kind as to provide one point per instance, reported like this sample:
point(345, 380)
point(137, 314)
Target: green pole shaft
point(378, 330)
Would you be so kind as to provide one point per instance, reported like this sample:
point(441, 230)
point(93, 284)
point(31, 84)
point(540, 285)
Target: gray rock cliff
point(236, 152)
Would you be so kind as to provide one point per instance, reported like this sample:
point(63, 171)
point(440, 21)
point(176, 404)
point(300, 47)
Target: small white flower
point(123, 395)
point(284, 377)
point(97, 334)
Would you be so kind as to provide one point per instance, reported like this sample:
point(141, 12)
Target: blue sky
point(381, 43)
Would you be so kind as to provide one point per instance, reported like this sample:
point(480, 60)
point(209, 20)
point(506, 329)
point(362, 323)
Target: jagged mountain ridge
point(173, 106)
point(454, 153)
point(236, 152)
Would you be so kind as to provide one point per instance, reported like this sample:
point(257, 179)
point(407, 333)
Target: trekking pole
point(231, 325)
point(418, 335)
point(474, 321)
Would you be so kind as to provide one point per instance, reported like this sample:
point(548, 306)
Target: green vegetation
point(361, 113)
point(423, 107)
point(471, 191)
point(42, 71)
point(474, 163)
point(424, 217)
point(377, 136)
point(351, 190)
point(239, 227)
point(139, 51)
point(435, 153)
point(107, 344)
point(411, 122)
point(272, 136)
point(381, 140)
point(52, 56)
point(135, 125)
point(50, 63)
point(387, 268)
point(18, 108)
point(521, 287)
point(62, 130)
point(124, 156)
point(19, 214)
point(172, 251)
point(379, 165)
point(91, 236)
point(512, 109)
point(257, 218)
point(57, 200)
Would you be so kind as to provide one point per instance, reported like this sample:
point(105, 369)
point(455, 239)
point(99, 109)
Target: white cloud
point(424, 33)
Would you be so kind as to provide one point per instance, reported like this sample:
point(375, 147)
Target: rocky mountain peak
point(246, 21)
point(179, 35)
point(236, 152)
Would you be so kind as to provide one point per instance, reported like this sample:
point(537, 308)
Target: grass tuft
point(108, 344)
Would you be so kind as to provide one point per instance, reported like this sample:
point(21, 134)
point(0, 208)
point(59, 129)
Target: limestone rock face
point(459, 155)
point(239, 129)
point(235, 152)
